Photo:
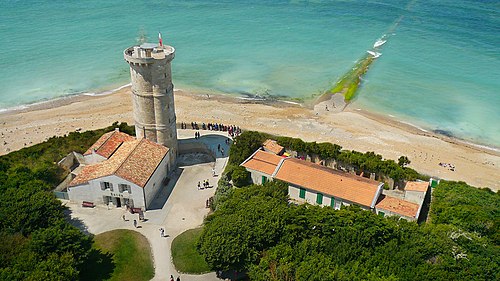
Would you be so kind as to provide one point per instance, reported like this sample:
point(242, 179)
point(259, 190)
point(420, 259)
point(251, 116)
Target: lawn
point(185, 257)
point(129, 257)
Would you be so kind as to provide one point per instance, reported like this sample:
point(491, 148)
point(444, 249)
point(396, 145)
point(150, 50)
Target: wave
point(379, 43)
point(374, 54)
point(105, 93)
point(62, 98)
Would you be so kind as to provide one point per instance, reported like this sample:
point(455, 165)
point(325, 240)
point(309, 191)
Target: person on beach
point(199, 186)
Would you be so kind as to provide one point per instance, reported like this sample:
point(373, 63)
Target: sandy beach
point(352, 129)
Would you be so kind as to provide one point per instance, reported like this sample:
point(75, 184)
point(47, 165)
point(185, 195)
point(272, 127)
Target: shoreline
point(385, 118)
point(353, 128)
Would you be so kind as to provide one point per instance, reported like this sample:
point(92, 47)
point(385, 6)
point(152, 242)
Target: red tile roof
point(134, 161)
point(262, 161)
point(398, 206)
point(328, 181)
point(273, 146)
point(142, 162)
point(417, 186)
point(107, 144)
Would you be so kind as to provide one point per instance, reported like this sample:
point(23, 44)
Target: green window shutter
point(302, 193)
point(319, 198)
point(332, 202)
point(381, 213)
point(264, 179)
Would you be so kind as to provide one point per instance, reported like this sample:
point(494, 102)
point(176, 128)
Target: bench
point(88, 204)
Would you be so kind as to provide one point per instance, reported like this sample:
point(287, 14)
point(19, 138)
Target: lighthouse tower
point(153, 93)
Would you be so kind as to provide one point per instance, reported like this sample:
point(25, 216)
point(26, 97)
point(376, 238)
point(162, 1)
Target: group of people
point(449, 166)
point(206, 184)
point(232, 130)
point(196, 135)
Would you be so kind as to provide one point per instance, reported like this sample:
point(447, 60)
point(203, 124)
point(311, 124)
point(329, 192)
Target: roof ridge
point(334, 171)
point(104, 142)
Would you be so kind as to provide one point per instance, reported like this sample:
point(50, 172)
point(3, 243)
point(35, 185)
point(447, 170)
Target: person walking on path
point(171, 278)
point(178, 278)
point(199, 186)
point(123, 217)
point(135, 223)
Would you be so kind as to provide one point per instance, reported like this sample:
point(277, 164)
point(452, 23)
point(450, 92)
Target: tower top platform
point(148, 53)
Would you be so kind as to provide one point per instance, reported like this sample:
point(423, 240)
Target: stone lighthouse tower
point(153, 93)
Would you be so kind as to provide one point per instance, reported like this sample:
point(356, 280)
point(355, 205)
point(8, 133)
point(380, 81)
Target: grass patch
point(185, 257)
point(131, 256)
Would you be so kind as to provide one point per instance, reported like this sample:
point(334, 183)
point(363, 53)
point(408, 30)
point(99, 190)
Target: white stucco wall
point(311, 196)
point(92, 191)
point(257, 176)
point(389, 213)
point(156, 181)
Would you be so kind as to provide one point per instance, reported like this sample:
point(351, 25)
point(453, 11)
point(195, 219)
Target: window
point(332, 202)
point(124, 187)
point(106, 185)
point(302, 193)
point(319, 198)
point(381, 213)
point(264, 179)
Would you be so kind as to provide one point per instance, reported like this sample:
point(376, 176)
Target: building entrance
point(118, 202)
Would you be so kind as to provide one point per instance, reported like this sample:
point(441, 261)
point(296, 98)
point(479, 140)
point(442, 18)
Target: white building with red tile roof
point(315, 184)
point(123, 171)
point(261, 165)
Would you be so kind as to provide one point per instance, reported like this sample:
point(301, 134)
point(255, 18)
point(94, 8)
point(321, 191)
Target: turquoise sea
point(439, 68)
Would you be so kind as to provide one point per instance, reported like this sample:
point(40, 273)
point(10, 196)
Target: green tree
point(244, 145)
point(61, 238)
point(240, 176)
point(28, 208)
point(403, 161)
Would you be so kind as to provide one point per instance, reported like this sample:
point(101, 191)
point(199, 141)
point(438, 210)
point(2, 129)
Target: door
point(118, 202)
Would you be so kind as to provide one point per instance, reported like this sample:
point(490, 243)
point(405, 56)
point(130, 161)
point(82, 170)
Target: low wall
point(190, 146)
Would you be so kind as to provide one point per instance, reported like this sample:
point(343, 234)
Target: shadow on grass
point(99, 266)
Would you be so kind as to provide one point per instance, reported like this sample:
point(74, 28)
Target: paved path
point(178, 207)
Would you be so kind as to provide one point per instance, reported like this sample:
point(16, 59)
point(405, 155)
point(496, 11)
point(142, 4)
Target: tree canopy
point(257, 230)
point(37, 243)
